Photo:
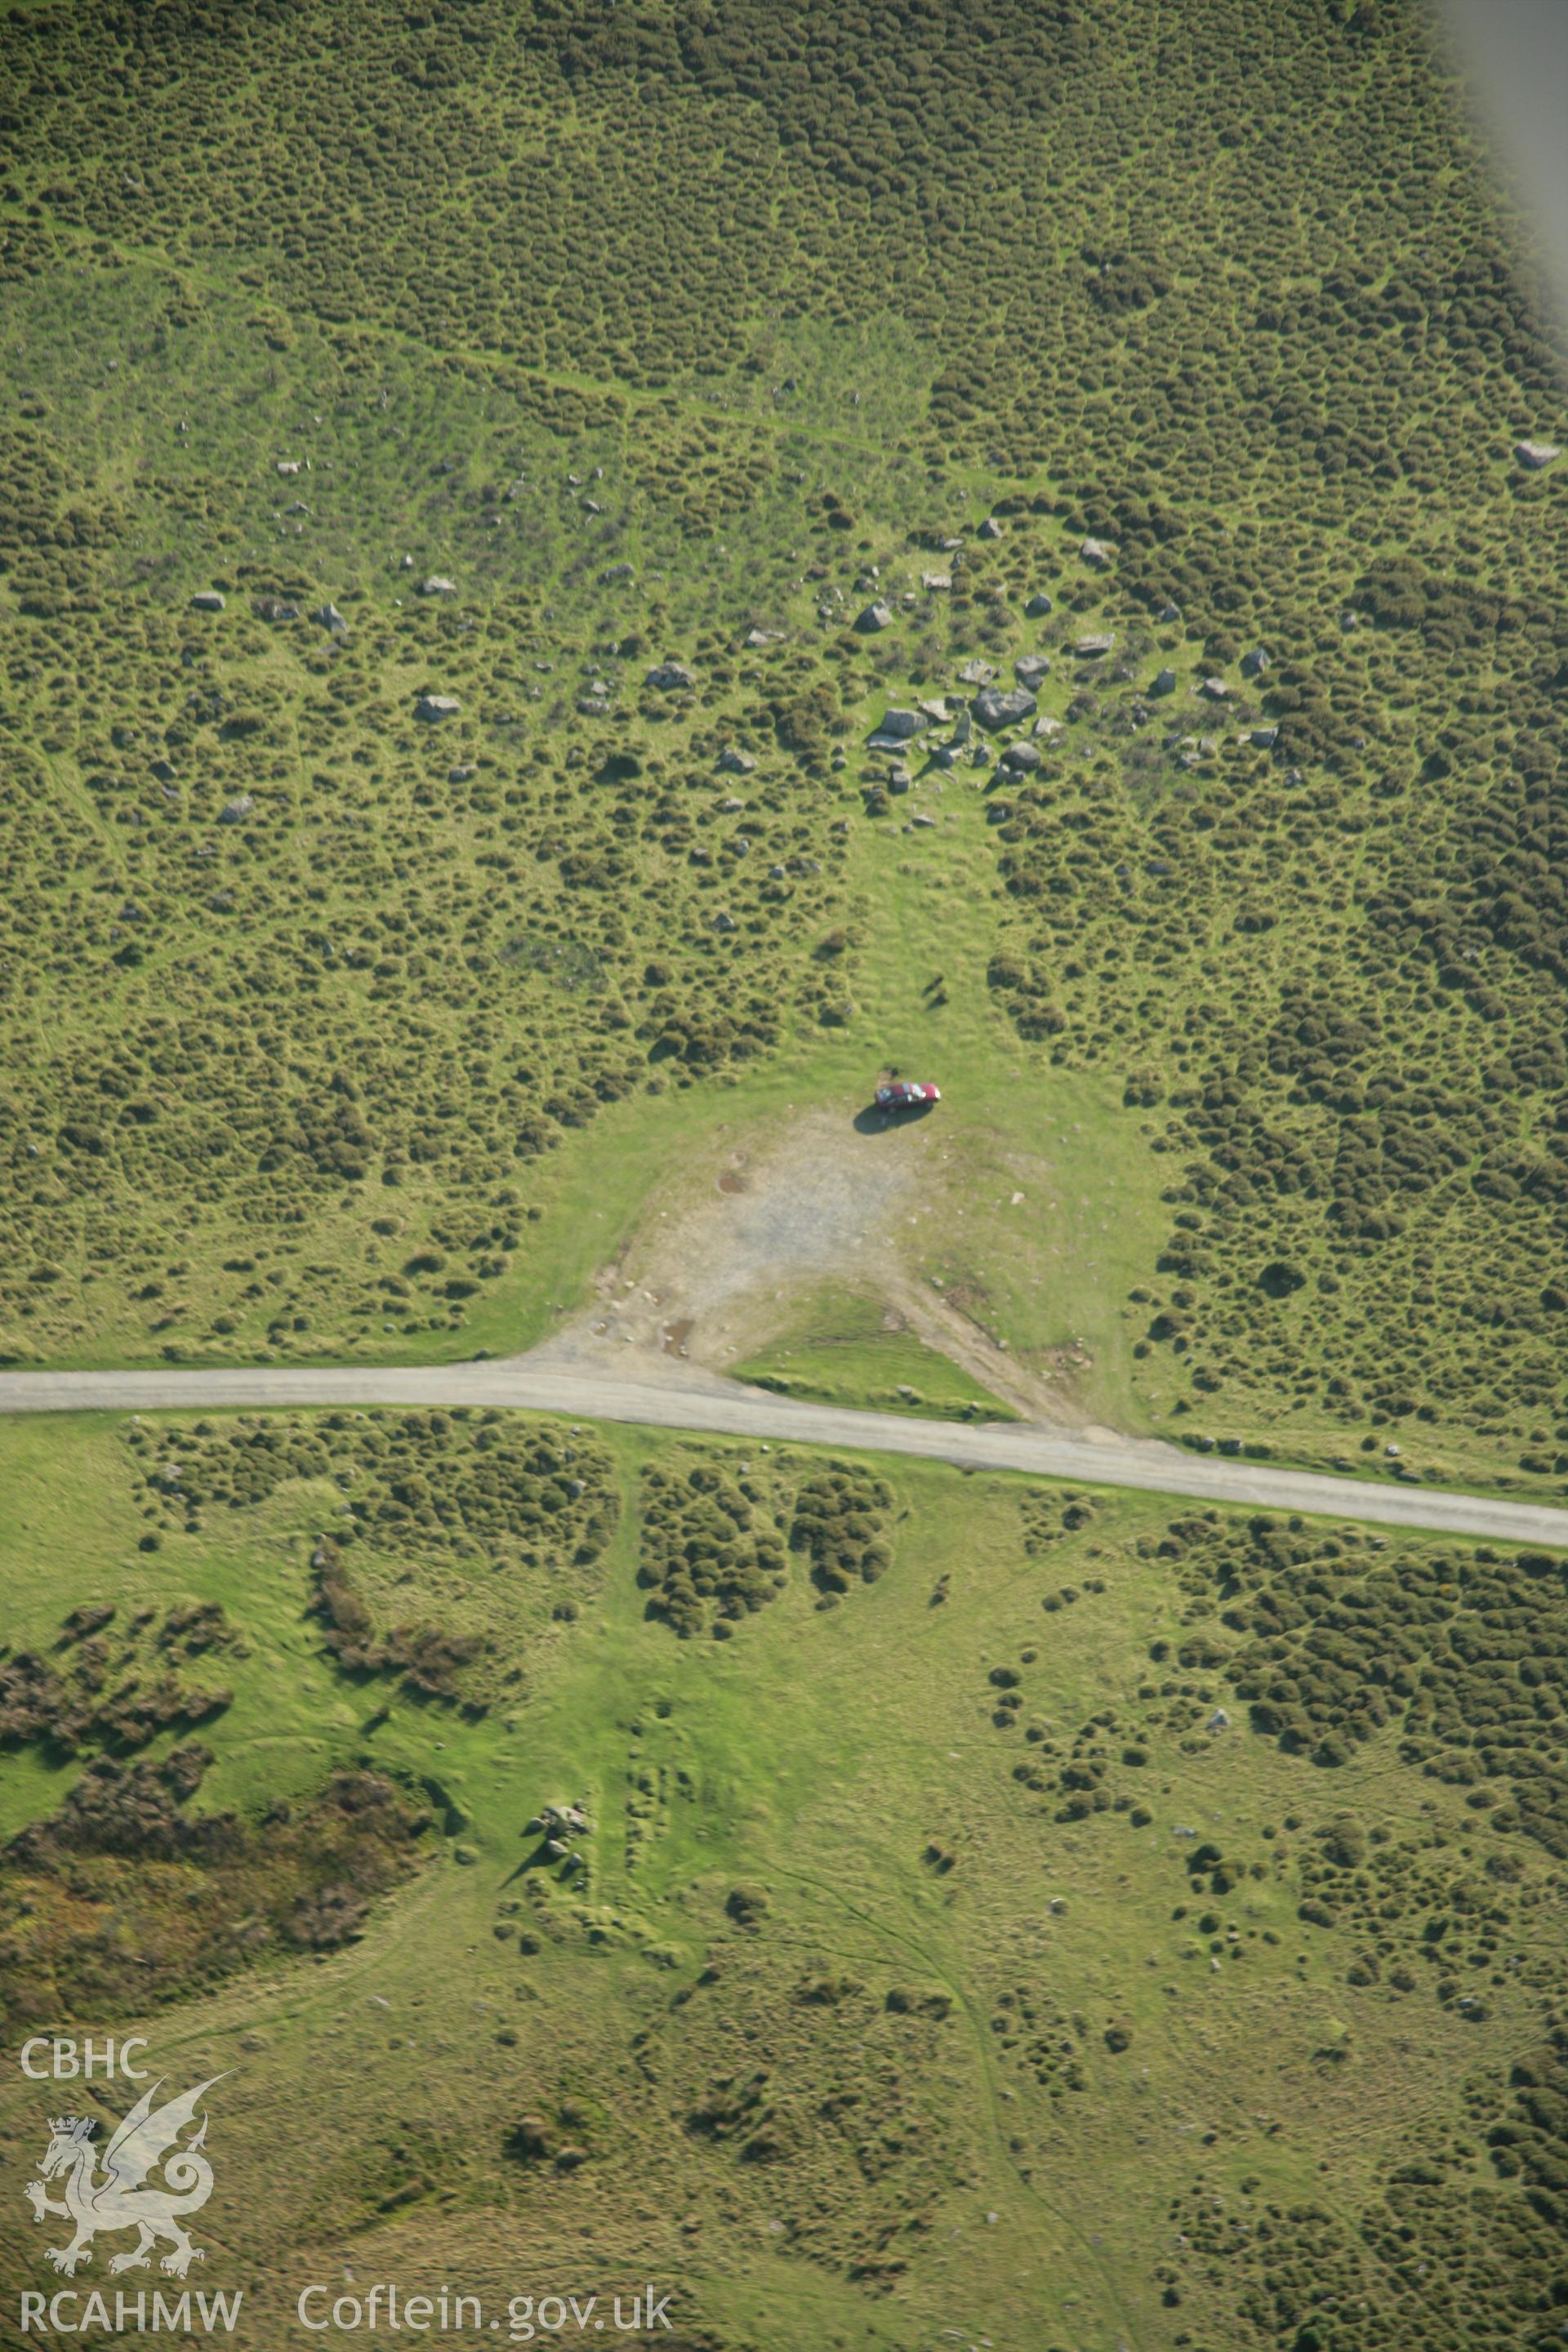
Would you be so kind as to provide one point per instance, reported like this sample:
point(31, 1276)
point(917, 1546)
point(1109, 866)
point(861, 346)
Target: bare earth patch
point(725, 1256)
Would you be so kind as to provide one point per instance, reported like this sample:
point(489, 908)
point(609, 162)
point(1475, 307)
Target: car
point(904, 1094)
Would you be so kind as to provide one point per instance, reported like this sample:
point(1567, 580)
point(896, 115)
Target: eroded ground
point(720, 1264)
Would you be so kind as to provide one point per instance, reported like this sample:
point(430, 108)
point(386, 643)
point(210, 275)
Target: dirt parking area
point(725, 1254)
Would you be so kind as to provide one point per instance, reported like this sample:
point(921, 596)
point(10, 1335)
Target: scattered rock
point(433, 708)
point(996, 706)
point(1021, 758)
point(1030, 668)
point(615, 571)
point(898, 726)
point(1533, 455)
point(1165, 683)
point(932, 580)
point(990, 529)
point(438, 585)
point(976, 672)
point(670, 678)
point(1219, 1720)
point(460, 775)
point(723, 922)
point(330, 618)
point(733, 762)
point(208, 599)
point(1038, 605)
point(275, 608)
point(1098, 642)
point(288, 465)
point(1215, 690)
point(1254, 664)
point(1097, 552)
point(235, 811)
point(875, 618)
point(1045, 726)
point(1263, 739)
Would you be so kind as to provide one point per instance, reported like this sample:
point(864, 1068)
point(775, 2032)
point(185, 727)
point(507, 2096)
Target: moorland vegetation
point(476, 477)
point(329, 986)
point(965, 1894)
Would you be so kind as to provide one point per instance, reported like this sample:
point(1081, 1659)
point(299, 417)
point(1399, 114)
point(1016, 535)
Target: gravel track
point(684, 1397)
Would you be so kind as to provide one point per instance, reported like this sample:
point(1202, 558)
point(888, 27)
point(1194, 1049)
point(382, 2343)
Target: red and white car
point(904, 1094)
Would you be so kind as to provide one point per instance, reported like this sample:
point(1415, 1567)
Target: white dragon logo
point(118, 2200)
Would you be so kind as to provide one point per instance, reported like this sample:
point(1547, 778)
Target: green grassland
point(937, 1968)
point(842, 1351)
point(913, 1903)
point(258, 1068)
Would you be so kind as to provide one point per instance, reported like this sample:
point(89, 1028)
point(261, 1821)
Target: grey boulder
point(996, 706)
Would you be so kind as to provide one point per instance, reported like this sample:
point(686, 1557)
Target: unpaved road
point(685, 1398)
